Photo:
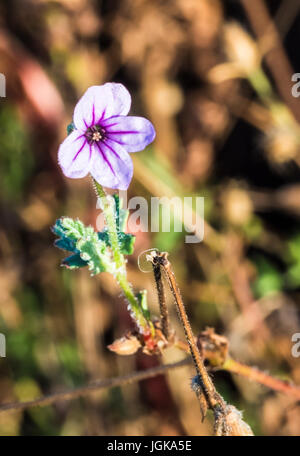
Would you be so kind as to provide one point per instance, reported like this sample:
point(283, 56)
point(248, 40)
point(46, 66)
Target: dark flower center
point(94, 134)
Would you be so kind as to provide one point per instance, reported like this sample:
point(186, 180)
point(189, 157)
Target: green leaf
point(269, 280)
point(64, 242)
point(89, 248)
point(293, 275)
point(293, 258)
point(96, 254)
point(67, 241)
point(126, 241)
point(86, 246)
point(294, 248)
point(74, 261)
point(74, 229)
point(70, 128)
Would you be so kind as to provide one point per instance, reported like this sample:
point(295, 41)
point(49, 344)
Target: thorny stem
point(110, 219)
point(164, 313)
point(214, 400)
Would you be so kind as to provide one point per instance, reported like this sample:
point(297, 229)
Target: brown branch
point(214, 400)
point(214, 349)
point(258, 376)
point(275, 55)
point(93, 387)
point(230, 365)
point(164, 313)
point(285, 16)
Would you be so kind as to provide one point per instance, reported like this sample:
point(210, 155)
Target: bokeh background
point(215, 79)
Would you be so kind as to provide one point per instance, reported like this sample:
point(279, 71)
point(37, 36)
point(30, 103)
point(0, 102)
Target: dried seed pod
point(127, 345)
point(213, 346)
point(229, 422)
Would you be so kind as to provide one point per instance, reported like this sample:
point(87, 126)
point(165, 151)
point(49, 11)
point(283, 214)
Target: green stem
point(110, 219)
point(121, 276)
point(261, 85)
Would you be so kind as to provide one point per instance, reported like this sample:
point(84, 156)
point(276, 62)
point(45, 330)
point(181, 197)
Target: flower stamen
point(94, 134)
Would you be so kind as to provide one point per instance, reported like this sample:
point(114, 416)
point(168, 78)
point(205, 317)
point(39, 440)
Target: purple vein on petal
point(79, 150)
point(78, 137)
point(93, 120)
point(112, 150)
point(102, 116)
point(123, 132)
point(110, 125)
point(121, 143)
point(105, 158)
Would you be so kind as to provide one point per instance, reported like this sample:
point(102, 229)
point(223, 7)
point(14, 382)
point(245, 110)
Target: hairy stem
point(164, 314)
point(121, 276)
point(261, 377)
point(214, 400)
point(110, 219)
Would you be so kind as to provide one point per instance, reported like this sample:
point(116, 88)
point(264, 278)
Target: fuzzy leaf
point(126, 241)
point(95, 253)
point(64, 242)
point(86, 247)
point(70, 128)
point(74, 261)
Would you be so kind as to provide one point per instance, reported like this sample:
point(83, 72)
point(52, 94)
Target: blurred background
point(214, 77)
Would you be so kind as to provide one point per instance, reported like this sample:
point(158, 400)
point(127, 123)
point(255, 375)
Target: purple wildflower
point(103, 136)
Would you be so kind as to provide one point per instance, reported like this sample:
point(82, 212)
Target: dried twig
point(258, 376)
point(93, 387)
point(275, 55)
point(214, 349)
point(202, 384)
point(164, 313)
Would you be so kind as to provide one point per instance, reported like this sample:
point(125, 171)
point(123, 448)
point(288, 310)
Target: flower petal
point(121, 99)
point(133, 133)
point(96, 104)
point(112, 165)
point(74, 155)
